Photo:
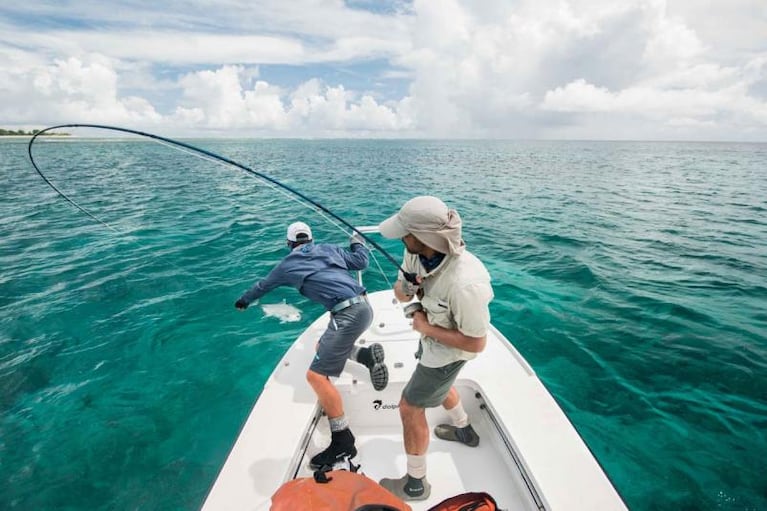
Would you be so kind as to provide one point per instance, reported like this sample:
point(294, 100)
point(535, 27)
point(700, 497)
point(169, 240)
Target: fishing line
point(282, 192)
point(386, 278)
point(211, 156)
point(269, 184)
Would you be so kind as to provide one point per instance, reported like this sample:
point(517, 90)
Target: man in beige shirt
point(454, 290)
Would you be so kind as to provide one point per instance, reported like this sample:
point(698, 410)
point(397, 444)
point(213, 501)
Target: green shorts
point(337, 342)
point(428, 387)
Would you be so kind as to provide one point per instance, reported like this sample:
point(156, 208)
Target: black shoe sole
point(377, 353)
point(382, 380)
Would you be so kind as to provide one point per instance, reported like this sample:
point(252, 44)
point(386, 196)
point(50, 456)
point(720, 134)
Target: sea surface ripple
point(631, 275)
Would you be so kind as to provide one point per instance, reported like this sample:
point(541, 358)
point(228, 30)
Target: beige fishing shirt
point(456, 296)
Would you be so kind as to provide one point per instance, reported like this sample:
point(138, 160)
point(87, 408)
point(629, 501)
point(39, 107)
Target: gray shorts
point(337, 342)
point(428, 387)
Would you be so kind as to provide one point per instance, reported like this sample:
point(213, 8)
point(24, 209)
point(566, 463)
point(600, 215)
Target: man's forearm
point(254, 293)
point(454, 338)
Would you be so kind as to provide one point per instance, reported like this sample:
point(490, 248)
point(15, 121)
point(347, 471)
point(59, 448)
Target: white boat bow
point(530, 457)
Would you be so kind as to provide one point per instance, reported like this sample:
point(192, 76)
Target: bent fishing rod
point(411, 277)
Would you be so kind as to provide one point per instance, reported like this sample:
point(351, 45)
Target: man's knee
point(314, 377)
point(451, 399)
point(407, 410)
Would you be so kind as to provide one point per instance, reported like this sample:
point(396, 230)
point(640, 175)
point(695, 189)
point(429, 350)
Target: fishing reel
point(411, 309)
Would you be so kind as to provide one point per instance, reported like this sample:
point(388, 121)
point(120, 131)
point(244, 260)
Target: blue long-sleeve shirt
point(320, 272)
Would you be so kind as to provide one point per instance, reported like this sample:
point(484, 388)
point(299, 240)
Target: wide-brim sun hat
point(430, 220)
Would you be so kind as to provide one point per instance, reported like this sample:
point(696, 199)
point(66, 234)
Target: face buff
point(431, 263)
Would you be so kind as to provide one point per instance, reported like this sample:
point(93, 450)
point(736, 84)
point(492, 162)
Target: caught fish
point(285, 312)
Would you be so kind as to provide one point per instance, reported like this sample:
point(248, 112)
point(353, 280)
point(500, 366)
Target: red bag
point(338, 490)
point(476, 501)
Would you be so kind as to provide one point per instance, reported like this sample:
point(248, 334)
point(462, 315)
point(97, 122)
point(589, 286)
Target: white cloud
point(672, 107)
point(219, 97)
point(69, 90)
point(580, 96)
point(224, 99)
point(477, 67)
point(327, 19)
point(570, 69)
point(172, 47)
point(538, 70)
point(729, 29)
point(264, 32)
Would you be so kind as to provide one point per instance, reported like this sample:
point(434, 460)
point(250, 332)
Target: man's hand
point(356, 238)
point(409, 288)
point(241, 304)
point(420, 322)
point(404, 290)
point(448, 337)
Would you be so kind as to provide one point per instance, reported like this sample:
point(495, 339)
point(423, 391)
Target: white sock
point(353, 354)
point(458, 416)
point(416, 466)
point(338, 423)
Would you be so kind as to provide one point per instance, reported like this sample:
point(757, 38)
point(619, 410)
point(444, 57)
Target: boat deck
point(529, 457)
point(452, 468)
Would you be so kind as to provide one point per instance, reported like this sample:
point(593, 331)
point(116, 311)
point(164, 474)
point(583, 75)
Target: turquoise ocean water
point(632, 276)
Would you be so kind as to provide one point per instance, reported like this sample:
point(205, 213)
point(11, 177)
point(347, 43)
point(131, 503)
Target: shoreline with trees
point(21, 133)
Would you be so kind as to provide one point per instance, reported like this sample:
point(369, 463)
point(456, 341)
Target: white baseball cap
point(297, 228)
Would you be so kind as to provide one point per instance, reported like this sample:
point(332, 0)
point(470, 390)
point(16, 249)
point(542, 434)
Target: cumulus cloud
point(228, 98)
point(68, 90)
point(675, 84)
point(580, 96)
point(523, 69)
point(532, 70)
point(479, 67)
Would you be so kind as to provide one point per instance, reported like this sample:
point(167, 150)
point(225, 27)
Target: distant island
point(22, 133)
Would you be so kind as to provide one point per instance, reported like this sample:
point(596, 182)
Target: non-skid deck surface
point(452, 468)
point(526, 429)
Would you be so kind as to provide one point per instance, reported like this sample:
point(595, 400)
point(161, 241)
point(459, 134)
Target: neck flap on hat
point(447, 238)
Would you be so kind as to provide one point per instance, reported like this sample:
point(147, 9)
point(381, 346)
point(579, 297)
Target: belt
point(348, 303)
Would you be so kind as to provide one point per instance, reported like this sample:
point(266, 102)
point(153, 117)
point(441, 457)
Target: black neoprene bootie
point(341, 446)
point(373, 359)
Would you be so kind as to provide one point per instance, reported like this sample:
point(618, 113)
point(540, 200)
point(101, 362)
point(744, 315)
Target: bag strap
point(376, 507)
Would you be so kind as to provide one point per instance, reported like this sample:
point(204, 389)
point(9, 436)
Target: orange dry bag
point(337, 490)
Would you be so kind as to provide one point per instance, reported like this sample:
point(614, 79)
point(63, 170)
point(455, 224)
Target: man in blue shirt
point(320, 272)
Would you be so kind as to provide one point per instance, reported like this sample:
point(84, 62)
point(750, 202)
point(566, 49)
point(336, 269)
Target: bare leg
point(413, 485)
point(415, 428)
point(327, 394)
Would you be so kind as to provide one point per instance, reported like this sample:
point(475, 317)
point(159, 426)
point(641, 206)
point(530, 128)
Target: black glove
point(241, 304)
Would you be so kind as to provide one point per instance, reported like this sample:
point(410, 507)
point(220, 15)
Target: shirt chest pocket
point(438, 311)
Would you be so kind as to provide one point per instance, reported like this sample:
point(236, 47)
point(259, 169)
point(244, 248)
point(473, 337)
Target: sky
point(501, 69)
